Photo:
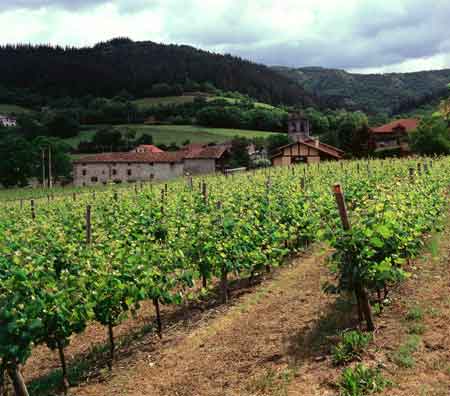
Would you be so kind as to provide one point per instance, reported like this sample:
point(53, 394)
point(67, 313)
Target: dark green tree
point(431, 137)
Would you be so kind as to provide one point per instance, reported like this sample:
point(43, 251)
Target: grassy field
point(146, 103)
point(167, 134)
point(13, 109)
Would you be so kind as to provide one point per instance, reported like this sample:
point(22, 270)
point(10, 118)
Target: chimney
point(316, 142)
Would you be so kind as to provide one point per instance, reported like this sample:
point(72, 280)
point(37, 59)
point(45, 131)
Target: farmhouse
point(304, 149)
point(208, 159)
point(393, 136)
point(7, 121)
point(307, 151)
point(127, 167)
point(146, 165)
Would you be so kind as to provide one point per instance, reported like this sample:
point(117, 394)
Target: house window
point(94, 179)
point(129, 172)
point(84, 172)
point(114, 172)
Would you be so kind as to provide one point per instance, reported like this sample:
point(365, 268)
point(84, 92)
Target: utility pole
point(43, 167)
point(49, 167)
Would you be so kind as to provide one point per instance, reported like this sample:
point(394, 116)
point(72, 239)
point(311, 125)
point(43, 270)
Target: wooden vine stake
point(33, 211)
point(158, 317)
point(88, 225)
point(20, 388)
point(364, 309)
point(204, 192)
point(411, 174)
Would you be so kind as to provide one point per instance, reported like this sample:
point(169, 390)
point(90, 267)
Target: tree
point(108, 139)
point(239, 152)
point(273, 142)
point(16, 161)
point(431, 137)
point(61, 162)
point(63, 124)
point(145, 138)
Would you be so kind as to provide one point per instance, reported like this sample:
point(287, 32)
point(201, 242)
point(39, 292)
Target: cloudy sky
point(356, 35)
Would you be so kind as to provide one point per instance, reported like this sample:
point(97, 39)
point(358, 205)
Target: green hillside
point(167, 134)
point(391, 93)
point(13, 109)
point(147, 103)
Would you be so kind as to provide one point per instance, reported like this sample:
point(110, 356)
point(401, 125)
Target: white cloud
point(366, 35)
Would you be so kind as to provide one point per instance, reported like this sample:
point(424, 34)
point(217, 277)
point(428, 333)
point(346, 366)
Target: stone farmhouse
point(147, 166)
point(393, 136)
point(7, 121)
point(305, 148)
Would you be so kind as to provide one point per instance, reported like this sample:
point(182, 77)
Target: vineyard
point(97, 257)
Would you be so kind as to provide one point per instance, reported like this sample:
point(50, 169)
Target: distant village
point(149, 163)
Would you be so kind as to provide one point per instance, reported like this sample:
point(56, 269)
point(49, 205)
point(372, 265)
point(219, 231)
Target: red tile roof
point(408, 124)
point(325, 146)
point(149, 148)
point(212, 152)
point(164, 157)
point(193, 147)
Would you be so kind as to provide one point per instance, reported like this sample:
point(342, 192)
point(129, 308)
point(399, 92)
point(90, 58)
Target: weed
point(403, 356)
point(414, 314)
point(434, 312)
point(351, 347)
point(416, 328)
point(272, 383)
point(361, 381)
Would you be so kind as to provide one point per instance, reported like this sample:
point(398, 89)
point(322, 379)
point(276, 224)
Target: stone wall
point(90, 174)
point(199, 166)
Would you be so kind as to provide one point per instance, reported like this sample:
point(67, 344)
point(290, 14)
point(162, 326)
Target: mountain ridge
point(388, 93)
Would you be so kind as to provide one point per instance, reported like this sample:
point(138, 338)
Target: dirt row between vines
point(275, 339)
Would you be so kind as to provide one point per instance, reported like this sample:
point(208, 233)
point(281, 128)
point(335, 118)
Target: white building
point(7, 121)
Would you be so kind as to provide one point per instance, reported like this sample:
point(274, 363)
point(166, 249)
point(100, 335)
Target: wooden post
point(340, 200)
point(302, 183)
point(411, 174)
point(360, 292)
point(116, 196)
point(204, 191)
point(33, 211)
point(74, 196)
point(419, 169)
point(88, 225)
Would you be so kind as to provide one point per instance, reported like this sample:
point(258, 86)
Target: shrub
point(361, 381)
point(351, 347)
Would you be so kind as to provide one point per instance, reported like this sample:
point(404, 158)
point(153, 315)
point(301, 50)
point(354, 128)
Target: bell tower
point(299, 128)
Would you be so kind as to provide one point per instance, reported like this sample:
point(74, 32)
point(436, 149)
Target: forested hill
point(391, 93)
point(121, 64)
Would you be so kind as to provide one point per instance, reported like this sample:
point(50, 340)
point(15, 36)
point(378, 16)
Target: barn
point(305, 151)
